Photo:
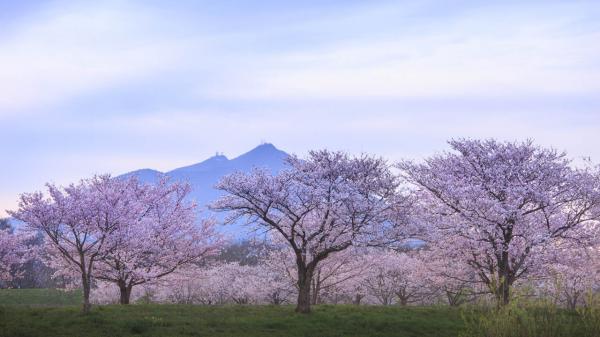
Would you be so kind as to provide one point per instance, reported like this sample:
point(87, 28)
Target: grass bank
point(184, 320)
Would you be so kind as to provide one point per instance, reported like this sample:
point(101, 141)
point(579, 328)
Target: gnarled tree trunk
point(357, 299)
point(505, 280)
point(316, 288)
point(125, 290)
point(85, 284)
point(304, 285)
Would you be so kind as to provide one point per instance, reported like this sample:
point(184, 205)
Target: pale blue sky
point(112, 86)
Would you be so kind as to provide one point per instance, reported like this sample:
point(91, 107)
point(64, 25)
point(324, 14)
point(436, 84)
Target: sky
point(112, 86)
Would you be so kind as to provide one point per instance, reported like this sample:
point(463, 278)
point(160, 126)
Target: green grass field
point(39, 297)
point(48, 312)
point(40, 312)
point(183, 320)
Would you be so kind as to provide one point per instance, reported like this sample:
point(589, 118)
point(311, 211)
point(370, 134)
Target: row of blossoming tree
point(489, 216)
point(117, 230)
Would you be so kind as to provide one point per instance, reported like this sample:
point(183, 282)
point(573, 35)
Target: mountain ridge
point(265, 155)
point(204, 175)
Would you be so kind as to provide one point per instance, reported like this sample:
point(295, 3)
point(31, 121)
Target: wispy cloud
point(487, 51)
point(65, 52)
point(119, 85)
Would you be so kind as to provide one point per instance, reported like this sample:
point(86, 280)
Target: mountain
point(145, 175)
point(203, 176)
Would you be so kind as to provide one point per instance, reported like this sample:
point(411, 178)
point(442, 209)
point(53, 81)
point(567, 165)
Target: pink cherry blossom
point(14, 251)
point(498, 206)
point(117, 230)
point(318, 206)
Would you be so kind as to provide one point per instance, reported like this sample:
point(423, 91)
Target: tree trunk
point(304, 282)
point(403, 297)
point(454, 299)
point(503, 291)
point(85, 283)
point(125, 293)
point(316, 288)
point(572, 301)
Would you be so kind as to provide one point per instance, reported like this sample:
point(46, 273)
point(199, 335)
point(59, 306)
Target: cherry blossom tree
point(571, 274)
point(280, 275)
point(246, 283)
point(396, 278)
point(229, 282)
point(117, 230)
point(330, 276)
point(14, 251)
point(106, 293)
point(77, 221)
point(500, 205)
point(206, 286)
point(454, 280)
point(334, 273)
point(319, 205)
point(160, 236)
point(183, 285)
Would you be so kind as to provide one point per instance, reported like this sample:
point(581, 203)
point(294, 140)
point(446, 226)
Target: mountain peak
point(217, 157)
point(263, 152)
point(145, 175)
point(265, 148)
point(203, 176)
point(214, 162)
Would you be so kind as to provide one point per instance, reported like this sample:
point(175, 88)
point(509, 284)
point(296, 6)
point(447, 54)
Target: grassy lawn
point(50, 312)
point(39, 312)
point(39, 297)
point(184, 320)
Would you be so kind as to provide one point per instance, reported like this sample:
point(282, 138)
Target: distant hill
point(203, 176)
